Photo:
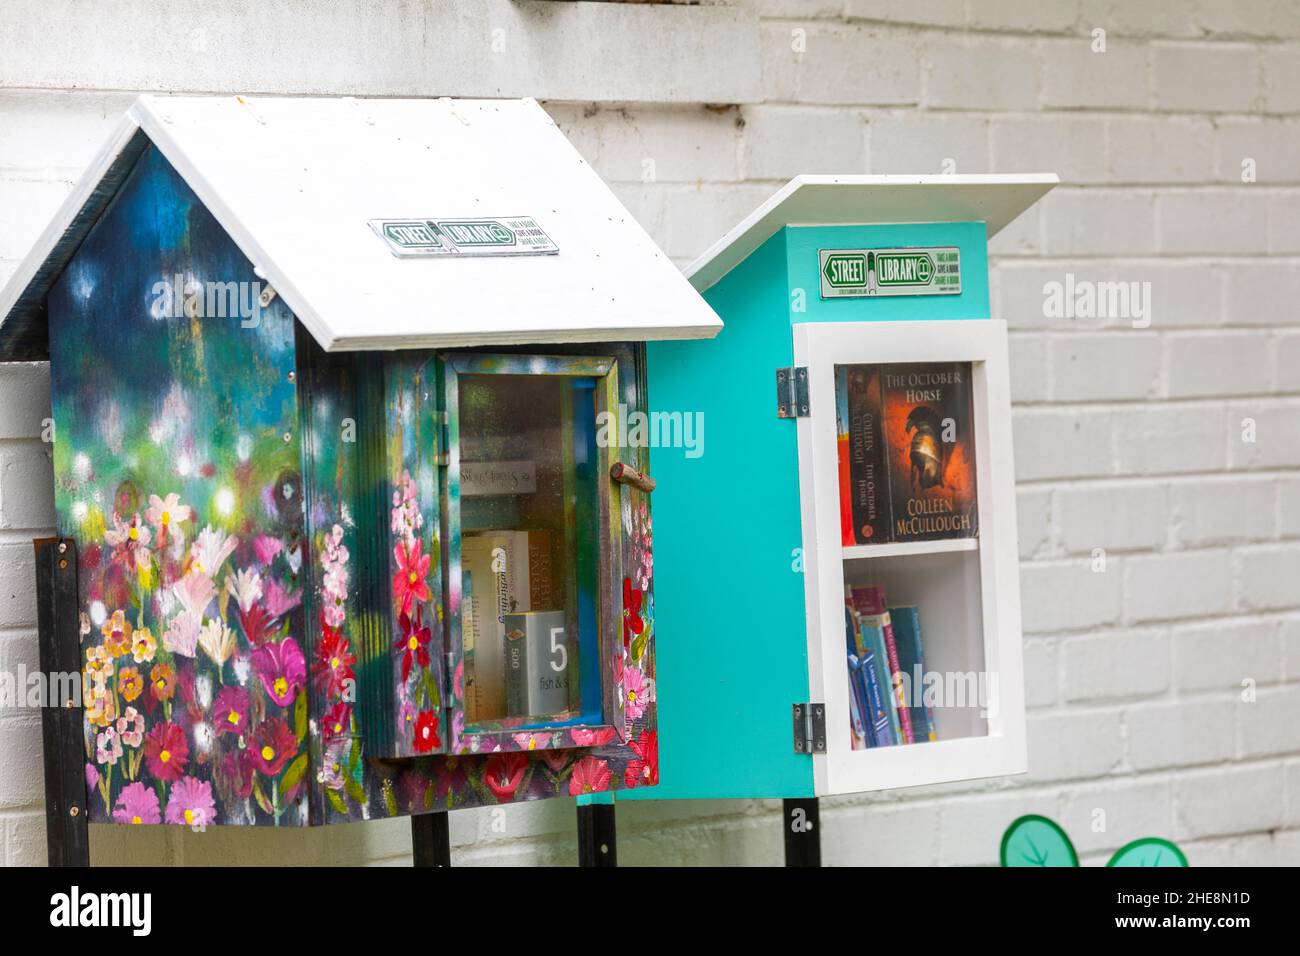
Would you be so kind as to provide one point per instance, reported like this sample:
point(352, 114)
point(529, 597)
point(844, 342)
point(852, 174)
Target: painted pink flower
point(191, 803)
point(280, 600)
point(638, 692)
point(590, 775)
point(556, 759)
point(271, 745)
point(587, 737)
point(137, 804)
point(409, 581)
point(266, 548)
point(238, 771)
point(230, 711)
point(643, 769)
point(92, 776)
point(337, 721)
point(130, 542)
point(182, 635)
point(130, 727)
point(165, 751)
point(282, 668)
point(165, 513)
point(108, 746)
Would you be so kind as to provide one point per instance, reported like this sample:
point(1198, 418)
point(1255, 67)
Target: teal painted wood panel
point(730, 618)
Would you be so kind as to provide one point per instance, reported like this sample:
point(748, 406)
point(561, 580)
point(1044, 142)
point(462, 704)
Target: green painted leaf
point(1037, 841)
point(260, 797)
point(293, 776)
point(355, 790)
point(300, 717)
point(337, 802)
point(1148, 851)
point(638, 646)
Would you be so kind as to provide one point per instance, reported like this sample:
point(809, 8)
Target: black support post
point(431, 839)
point(67, 835)
point(803, 840)
point(597, 845)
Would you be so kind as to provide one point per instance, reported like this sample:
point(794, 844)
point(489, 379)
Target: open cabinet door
point(909, 531)
point(534, 545)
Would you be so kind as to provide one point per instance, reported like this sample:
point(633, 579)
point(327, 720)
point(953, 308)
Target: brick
point(1238, 216)
point(923, 142)
point(1127, 516)
point(1073, 745)
point(1034, 520)
point(1266, 726)
point(1262, 293)
point(17, 585)
point(1281, 80)
point(1269, 577)
point(1105, 817)
point(1108, 666)
point(1288, 524)
point(1206, 78)
point(1023, 15)
point(1098, 222)
point(1249, 18)
point(21, 774)
point(1041, 666)
point(1219, 655)
point(971, 828)
point(1165, 440)
point(1271, 143)
point(1209, 511)
point(668, 144)
point(898, 836)
point(980, 73)
point(24, 837)
point(1109, 366)
point(937, 13)
point(1217, 363)
point(1162, 18)
point(1057, 443)
point(24, 399)
point(26, 206)
point(1160, 149)
point(1284, 223)
point(53, 131)
point(1177, 585)
point(1028, 368)
point(780, 142)
point(1277, 435)
point(839, 64)
point(1228, 800)
point(26, 487)
point(1068, 595)
point(1022, 236)
point(1180, 733)
point(1076, 77)
point(1072, 145)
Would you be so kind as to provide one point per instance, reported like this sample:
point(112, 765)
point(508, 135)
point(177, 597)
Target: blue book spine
point(881, 732)
point(911, 660)
point(873, 639)
point(857, 706)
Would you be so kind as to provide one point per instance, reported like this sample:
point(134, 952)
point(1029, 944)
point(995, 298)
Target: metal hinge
point(810, 728)
point(792, 392)
point(444, 439)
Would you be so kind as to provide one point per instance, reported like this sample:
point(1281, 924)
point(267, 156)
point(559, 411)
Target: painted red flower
point(643, 769)
point(409, 581)
point(271, 745)
point(257, 624)
point(504, 773)
point(337, 721)
point(632, 623)
point(334, 660)
point(590, 775)
point(414, 642)
point(165, 752)
point(230, 711)
point(426, 732)
point(587, 737)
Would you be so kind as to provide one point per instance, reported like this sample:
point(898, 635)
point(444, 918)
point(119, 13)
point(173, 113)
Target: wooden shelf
point(896, 549)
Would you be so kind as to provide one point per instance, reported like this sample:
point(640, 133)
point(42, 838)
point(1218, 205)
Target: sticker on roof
point(506, 236)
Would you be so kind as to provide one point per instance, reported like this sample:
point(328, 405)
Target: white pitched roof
point(858, 200)
point(295, 182)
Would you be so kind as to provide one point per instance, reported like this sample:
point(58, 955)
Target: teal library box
point(836, 567)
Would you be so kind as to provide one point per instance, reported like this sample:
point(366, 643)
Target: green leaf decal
point(300, 717)
point(1148, 851)
point(1037, 841)
point(293, 776)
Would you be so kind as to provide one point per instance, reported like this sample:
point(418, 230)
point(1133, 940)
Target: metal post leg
point(431, 839)
point(803, 841)
point(597, 844)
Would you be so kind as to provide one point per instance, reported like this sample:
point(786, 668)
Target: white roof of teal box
point(298, 182)
point(995, 199)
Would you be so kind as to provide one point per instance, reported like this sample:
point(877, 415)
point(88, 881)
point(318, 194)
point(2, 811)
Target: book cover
point(536, 664)
point(857, 728)
point(868, 475)
point(930, 447)
point(842, 454)
point(881, 733)
point(907, 633)
point(873, 640)
point(870, 603)
point(484, 583)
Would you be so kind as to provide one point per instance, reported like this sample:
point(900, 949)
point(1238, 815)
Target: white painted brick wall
point(1128, 440)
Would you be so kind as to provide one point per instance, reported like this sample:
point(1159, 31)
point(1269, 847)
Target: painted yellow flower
point(117, 634)
point(143, 645)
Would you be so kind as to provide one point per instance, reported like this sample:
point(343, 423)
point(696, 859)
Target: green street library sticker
point(855, 273)
point(507, 236)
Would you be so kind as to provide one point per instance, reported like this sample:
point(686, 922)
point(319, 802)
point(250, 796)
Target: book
point(870, 604)
point(906, 621)
point(873, 640)
point(536, 664)
point(930, 447)
point(847, 536)
point(868, 475)
point(881, 732)
point(469, 614)
point(857, 728)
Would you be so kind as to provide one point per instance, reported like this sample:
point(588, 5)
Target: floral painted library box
point(336, 387)
point(861, 389)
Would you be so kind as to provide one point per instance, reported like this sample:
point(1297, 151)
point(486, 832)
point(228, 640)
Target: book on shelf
point(910, 449)
point(847, 536)
point(873, 640)
point(537, 664)
point(857, 729)
point(869, 602)
point(906, 621)
point(865, 687)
